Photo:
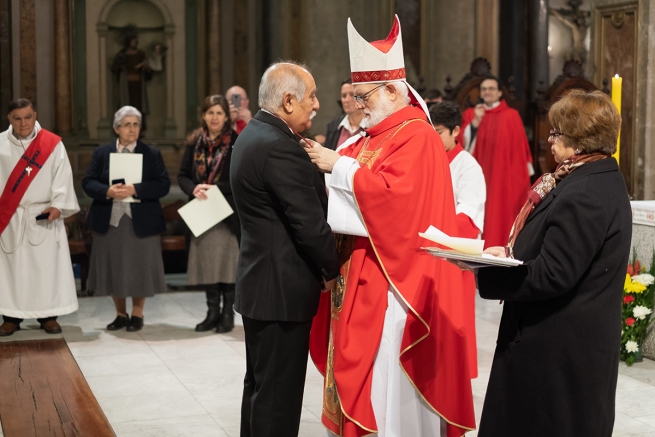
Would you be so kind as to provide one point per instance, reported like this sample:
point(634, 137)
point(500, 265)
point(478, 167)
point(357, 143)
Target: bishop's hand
point(322, 157)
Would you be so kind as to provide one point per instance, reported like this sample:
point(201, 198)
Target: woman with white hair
point(126, 258)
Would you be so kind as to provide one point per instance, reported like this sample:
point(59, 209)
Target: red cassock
point(467, 229)
point(503, 152)
point(403, 185)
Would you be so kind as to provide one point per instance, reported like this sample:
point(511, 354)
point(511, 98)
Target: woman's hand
point(199, 191)
point(497, 251)
point(120, 191)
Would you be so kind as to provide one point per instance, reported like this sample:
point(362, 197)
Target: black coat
point(286, 243)
point(334, 132)
point(147, 215)
point(555, 367)
point(187, 181)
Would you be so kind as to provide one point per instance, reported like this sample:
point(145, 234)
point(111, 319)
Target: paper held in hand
point(465, 250)
point(128, 166)
point(202, 215)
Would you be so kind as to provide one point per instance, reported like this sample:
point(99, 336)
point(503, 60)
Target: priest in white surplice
point(36, 181)
point(391, 338)
point(470, 192)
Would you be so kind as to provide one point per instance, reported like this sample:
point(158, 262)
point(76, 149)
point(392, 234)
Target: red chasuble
point(24, 173)
point(503, 152)
point(467, 229)
point(402, 187)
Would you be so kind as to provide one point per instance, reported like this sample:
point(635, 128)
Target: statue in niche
point(132, 72)
point(156, 59)
point(578, 21)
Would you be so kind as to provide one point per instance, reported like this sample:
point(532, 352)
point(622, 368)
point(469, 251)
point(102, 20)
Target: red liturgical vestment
point(502, 150)
point(402, 186)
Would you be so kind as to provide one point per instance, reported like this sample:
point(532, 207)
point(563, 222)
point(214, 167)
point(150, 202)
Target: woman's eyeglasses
point(555, 134)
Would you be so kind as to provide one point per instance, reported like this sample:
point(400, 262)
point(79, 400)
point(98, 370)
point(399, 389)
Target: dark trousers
point(16, 321)
point(276, 364)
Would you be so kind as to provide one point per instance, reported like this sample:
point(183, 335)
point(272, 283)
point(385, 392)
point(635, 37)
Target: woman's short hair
point(126, 111)
point(587, 120)
point(273, 86)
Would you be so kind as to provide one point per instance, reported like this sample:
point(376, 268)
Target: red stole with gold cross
point(24, 173)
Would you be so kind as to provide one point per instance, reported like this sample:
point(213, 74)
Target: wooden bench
point(44, 393)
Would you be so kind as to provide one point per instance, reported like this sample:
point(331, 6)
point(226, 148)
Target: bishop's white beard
point(383, 109)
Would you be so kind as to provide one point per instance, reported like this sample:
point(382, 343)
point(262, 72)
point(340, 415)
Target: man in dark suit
point(287, 254)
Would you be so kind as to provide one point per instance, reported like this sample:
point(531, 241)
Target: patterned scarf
point(208, 156)
point(544, 185)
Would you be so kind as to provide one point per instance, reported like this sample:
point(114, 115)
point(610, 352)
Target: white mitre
point(380, 61)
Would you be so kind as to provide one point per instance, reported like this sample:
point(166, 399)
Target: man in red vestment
point(391, 337)
point(494, 134)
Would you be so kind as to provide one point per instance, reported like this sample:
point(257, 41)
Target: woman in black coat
point(213, 255)
point(126, 259)
point(555, 368)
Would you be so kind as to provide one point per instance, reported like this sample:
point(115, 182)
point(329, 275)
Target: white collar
point(30, 137)
point(129, 147)
point(494, 106)
point(345, 123)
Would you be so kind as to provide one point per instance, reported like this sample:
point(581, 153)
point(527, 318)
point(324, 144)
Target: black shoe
point(210, 322)
point(119, 323)
point(136, 323)
point(226, 323)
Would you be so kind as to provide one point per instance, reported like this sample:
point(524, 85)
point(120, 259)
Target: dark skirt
point(213, 257)
point(124, 265)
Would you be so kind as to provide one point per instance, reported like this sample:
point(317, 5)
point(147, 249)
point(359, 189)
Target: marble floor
point(168, 380)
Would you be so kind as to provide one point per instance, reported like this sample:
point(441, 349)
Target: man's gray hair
point(273, 86)
point(126, 111)
point(402, 89)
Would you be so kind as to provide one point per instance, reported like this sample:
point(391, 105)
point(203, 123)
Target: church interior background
point(61, 54)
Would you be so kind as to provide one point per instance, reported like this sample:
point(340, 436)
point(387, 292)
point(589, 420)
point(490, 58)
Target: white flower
point(640, 312)
point(644, 278)
point(631, 346)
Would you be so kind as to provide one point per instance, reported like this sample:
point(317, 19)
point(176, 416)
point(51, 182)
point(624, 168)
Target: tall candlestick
point(617, 84)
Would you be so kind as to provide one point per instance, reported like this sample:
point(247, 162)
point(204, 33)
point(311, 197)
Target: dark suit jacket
point(187, 181)
point(147, 216)
point(286, 243)
point(333, 132)
point(555, 368)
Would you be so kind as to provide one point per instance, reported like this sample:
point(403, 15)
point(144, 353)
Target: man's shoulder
point(466, 162)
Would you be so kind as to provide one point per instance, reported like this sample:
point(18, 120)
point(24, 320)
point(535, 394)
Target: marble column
point(5, 55)
point(170, 127)
point(63, 122)
point(28, 50)
point(213, 47)
point(487, 35)
point(105, 123)
point(539, 52)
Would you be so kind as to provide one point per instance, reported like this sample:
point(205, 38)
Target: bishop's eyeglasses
point(361, 100)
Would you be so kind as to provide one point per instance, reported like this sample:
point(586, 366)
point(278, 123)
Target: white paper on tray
point(128, 166)
point(202, 215)
point(464, 245)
